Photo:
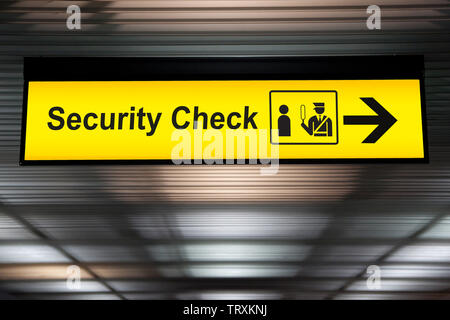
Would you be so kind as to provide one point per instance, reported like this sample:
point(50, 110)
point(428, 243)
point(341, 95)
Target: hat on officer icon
point(319, 107)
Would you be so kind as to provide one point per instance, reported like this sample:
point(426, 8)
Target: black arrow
point(383, 119)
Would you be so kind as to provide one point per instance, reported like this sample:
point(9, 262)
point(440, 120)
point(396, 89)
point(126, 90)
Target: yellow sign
point(170, 120)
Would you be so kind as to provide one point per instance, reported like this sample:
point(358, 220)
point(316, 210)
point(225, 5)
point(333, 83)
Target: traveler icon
point(284, 123)
point(318, 125)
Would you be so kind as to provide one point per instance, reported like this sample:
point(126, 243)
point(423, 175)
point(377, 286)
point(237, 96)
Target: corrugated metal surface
point(214, 232)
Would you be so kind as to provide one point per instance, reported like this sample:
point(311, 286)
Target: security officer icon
point(284, 123)
point(318, 125)
point(317, 122)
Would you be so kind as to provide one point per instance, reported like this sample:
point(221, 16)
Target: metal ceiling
point(194, 232)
